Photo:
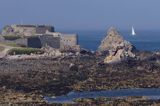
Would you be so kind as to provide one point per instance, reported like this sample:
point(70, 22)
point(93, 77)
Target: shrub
point(12, 44)
point(16, 51)
point(11, 37)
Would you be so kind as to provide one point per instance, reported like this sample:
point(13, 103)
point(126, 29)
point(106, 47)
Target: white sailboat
point(133, 32)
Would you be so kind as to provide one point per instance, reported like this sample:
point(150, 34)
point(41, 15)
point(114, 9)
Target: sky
point(82, 14)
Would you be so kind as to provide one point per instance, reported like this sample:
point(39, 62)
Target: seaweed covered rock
point(116, 47)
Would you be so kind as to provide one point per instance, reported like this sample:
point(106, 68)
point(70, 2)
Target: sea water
point(147, 40)
point(144, 40)
point(151, 93)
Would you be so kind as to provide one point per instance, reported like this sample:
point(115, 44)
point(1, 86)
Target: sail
point(133, 32)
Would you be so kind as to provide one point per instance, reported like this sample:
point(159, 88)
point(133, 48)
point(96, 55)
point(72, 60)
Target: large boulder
point(116, 47)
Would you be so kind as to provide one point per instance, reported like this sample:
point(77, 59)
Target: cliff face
point(117, 48)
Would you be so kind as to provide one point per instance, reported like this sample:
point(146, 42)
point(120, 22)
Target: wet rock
point(86, 52)
point(16, 98)
point(115, 47)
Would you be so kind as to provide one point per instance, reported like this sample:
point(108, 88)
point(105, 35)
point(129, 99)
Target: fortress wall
point(43, 29)
point(26, 30)
point(20, 41)
point(69, 40)
point(39, 36)
point(44, 40)
point(50, 41)
point(55, 34)
point(34, 42)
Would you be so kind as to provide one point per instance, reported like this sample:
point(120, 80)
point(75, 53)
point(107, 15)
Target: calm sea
point(144, 40)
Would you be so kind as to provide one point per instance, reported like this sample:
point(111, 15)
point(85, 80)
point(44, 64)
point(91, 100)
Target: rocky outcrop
point(116, 47)
point(10, 97)
point(51, 52)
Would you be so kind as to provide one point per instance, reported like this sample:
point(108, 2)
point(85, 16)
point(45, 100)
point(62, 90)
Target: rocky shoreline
point(57, 76)
point(12, 97)
point(126, 101)
point(117, 66)
point(128, 74)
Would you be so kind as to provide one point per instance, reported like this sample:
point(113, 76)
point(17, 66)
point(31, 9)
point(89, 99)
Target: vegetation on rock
point(18, 51)
point(10, 44)
point(11, 37)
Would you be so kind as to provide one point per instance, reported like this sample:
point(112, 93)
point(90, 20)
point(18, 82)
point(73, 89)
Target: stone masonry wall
point(20, 41)
point(68, 40)
point(50, 41)
point(26, 30)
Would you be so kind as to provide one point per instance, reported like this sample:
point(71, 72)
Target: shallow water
point(148, 40)
point(152, 93)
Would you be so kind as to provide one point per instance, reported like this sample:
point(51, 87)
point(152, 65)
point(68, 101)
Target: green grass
point(19, 51)
point(11, 37)
point(1, 48)
point(10, 44)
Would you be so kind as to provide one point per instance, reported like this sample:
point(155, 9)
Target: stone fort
point(37, 36)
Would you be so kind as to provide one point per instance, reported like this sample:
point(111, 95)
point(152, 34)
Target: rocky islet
point(82, 72)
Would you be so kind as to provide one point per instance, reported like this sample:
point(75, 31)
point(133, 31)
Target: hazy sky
point(82, 14)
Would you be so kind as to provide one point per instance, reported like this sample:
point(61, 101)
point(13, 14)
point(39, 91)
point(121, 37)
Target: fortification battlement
point(26, 30)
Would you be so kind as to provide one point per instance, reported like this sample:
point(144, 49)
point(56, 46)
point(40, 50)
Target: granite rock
point(116, 47)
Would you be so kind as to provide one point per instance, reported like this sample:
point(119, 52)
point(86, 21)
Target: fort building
point(38, 36)
point(26, 30)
